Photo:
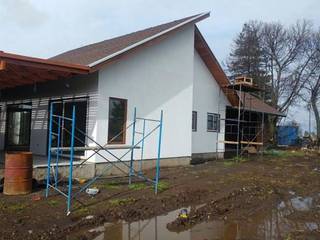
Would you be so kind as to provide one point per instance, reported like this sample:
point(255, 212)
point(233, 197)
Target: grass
point(15, 207)
point(163, 186)
point(137, 186)
point(229, 163)
point(283, 154)
point(110, 186)
point(121, 201)
point(235, 160)
point(240, 159)
point(18, 207)
point(2, 206)
point(273, 153)
point(82, 211)
point(53, 203)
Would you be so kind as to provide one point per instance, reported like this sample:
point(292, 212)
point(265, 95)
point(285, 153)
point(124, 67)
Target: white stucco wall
point(158, 78)
point(206, 100)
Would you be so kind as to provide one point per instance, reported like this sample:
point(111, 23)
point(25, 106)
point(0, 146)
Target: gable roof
point(94, 54)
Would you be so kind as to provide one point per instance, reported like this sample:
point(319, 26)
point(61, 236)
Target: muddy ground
point(220, 189)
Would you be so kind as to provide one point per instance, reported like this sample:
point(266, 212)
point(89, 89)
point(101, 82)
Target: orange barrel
point(18, 173)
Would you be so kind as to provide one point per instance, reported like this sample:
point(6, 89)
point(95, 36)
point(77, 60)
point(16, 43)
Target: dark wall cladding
point(84, 86)
point(78, 84)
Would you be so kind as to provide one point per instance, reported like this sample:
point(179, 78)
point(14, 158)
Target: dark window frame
point(215, 122)
point(194, 121)
point(68, 100)
point(123, 140)
point(16, 108)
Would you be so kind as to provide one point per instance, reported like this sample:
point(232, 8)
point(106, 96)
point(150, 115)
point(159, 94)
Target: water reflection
point(274, 223)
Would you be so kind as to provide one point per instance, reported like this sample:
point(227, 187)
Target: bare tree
point(311, 76)
point(286, 60)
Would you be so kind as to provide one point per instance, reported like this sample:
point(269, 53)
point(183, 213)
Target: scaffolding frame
point(59, 151)
point(241, 89)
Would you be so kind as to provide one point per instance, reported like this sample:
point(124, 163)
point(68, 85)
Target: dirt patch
point(224, 190)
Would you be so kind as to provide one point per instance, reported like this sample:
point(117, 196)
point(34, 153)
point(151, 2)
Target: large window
point(213, 122)
point(64, 108)
point(194, 121)
point(117, 120)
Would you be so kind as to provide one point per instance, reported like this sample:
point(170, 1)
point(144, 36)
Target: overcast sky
point(48, 27)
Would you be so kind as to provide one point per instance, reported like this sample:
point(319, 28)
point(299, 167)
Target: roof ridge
point(127, 34)
point(99, 50)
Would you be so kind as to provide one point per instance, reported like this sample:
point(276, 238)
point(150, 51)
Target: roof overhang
point(18, 70)
point(213, 66)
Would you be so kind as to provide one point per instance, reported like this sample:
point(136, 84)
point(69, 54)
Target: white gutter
point(146, 40)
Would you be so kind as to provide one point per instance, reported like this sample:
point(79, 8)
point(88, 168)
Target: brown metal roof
point(252, 103)
point(91, 53)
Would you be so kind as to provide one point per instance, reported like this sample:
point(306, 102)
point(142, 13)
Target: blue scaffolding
point(57, 152)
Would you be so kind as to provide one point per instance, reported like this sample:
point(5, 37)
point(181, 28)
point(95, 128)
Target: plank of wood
point(229, 142)
point(252, 143)
point(95, 148)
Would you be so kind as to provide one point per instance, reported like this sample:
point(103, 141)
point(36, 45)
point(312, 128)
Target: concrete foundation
point(91, 170)
point(198, 158)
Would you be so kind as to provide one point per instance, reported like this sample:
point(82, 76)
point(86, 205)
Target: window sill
point(212, 131)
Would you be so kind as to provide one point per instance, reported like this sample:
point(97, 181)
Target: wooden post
point(2, 65)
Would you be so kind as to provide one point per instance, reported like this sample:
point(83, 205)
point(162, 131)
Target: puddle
point(274, 223)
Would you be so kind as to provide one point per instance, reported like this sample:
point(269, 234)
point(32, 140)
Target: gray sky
point(48, 27)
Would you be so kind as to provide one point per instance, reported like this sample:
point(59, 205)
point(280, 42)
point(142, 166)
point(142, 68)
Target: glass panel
point(57, 110)
point(194, 121)
point(65, 109)
point(117, 120)
point(81, 120)
point(210, 122)
point(18, 131)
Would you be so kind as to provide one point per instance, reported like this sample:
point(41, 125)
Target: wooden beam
point(43, 63)
point(2, 65)
point(229, 142)
point(252, 143)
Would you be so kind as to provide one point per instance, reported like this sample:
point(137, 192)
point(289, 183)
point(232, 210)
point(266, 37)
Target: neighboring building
point(168, 67)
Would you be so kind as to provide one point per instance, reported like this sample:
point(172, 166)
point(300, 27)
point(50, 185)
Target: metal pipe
point(49, 150)
point(159, 152)
point(239, 112)
point(142, 145)
point(132, 151)
point(58, 153)
point(217, 136)
point(71, 158)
